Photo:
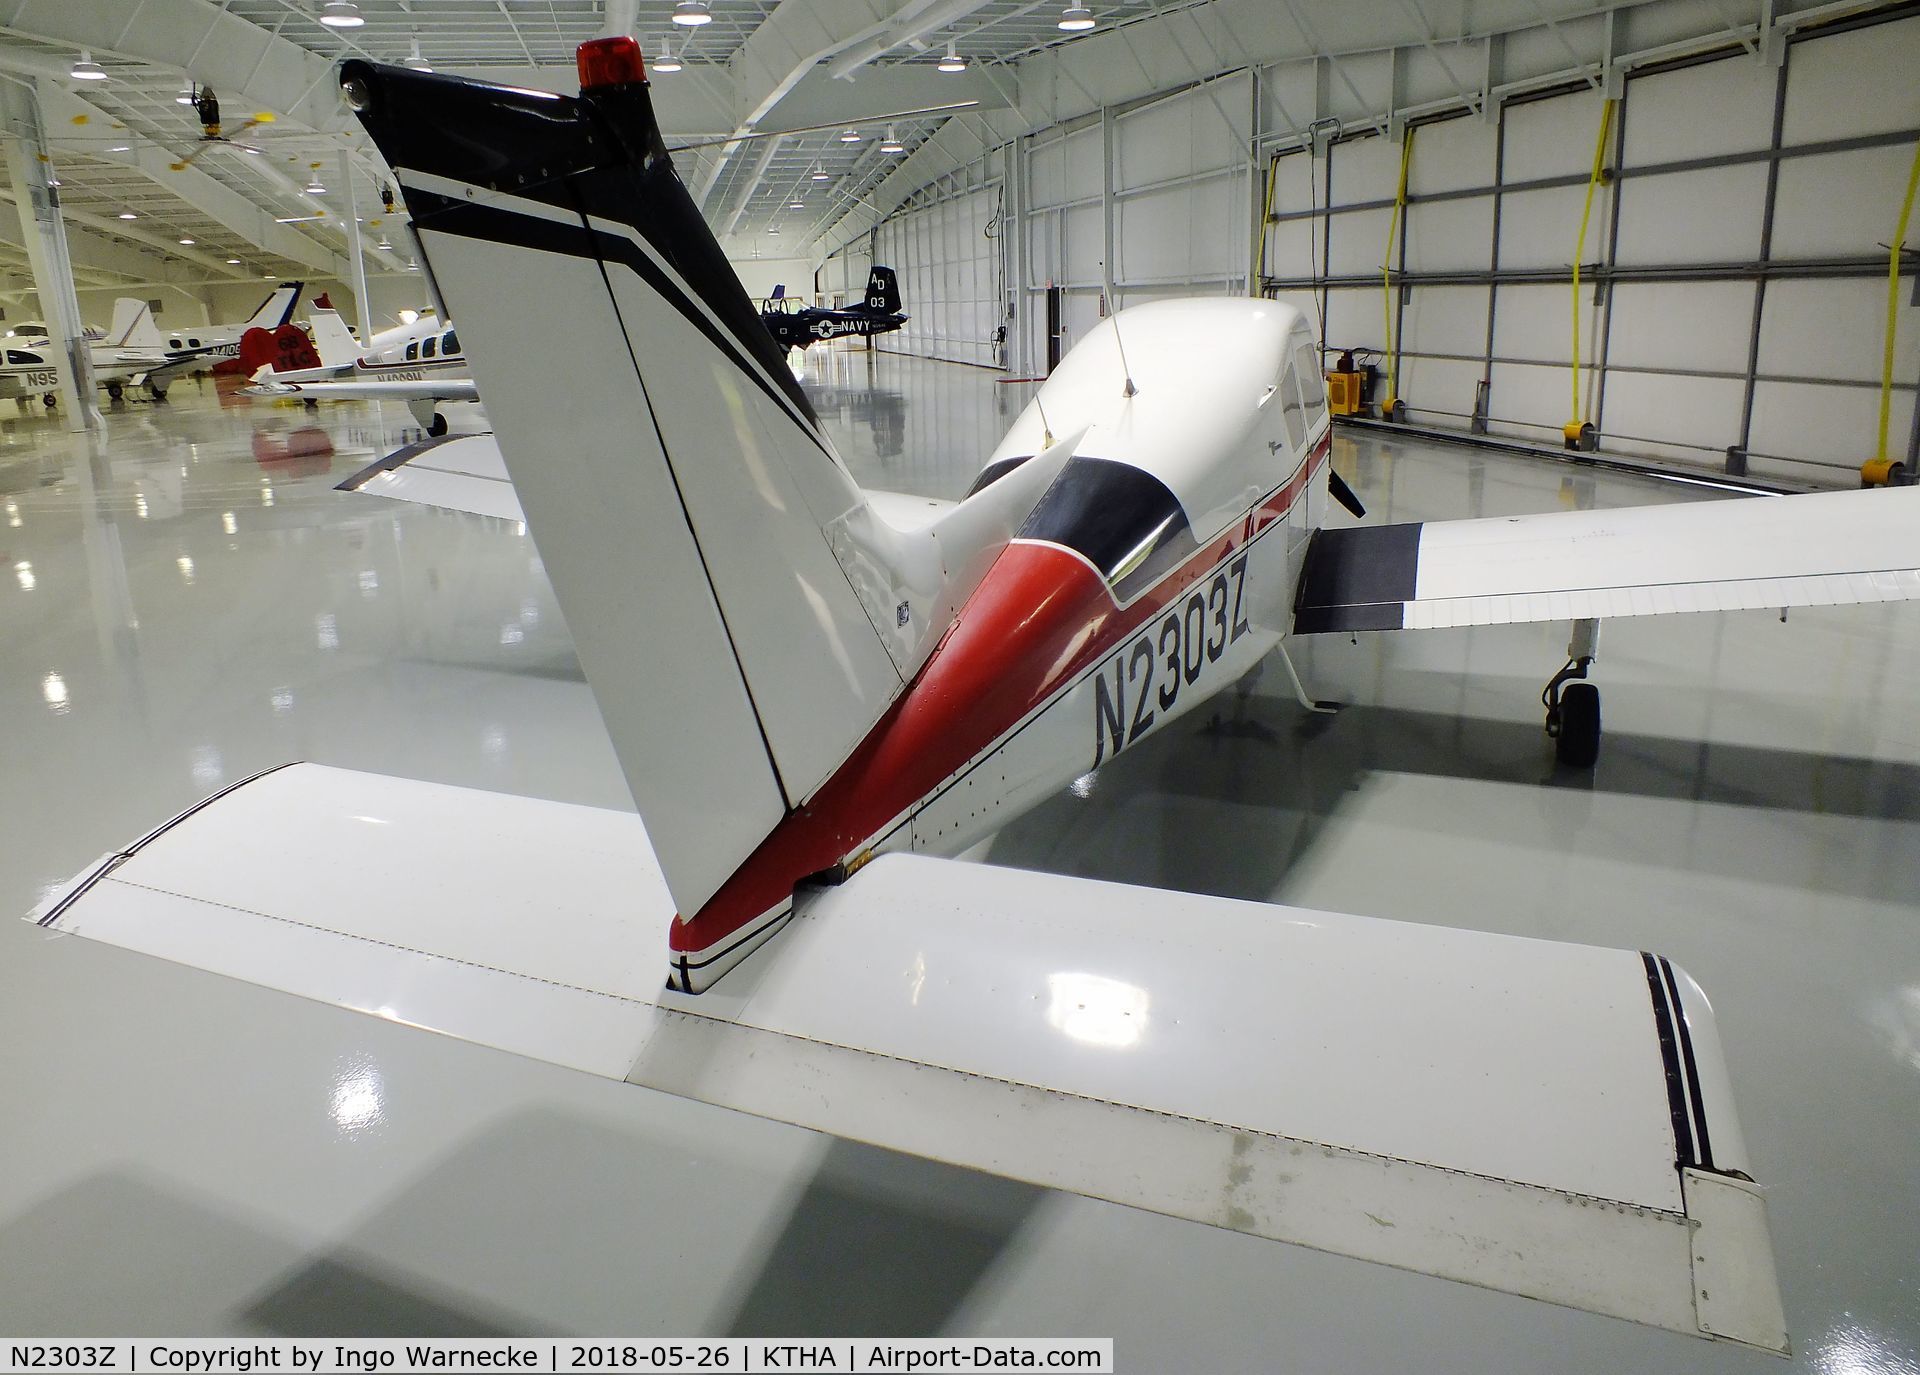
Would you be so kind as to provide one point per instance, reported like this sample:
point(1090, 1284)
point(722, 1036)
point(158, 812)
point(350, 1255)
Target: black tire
point(114, 391)
point(50, 400)
point(1578, 743)
point(437, 426)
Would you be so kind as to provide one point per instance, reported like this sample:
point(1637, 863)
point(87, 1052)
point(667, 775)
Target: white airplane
point(119, 359)
point(818, 694)
point(421, 364)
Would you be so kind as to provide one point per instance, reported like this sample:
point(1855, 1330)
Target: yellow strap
point(1266, 217)
point(1386, 262)
point(1893, 303)
point(1580, 248)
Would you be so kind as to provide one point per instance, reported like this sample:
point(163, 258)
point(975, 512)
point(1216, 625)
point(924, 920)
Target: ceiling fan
point(207, 106)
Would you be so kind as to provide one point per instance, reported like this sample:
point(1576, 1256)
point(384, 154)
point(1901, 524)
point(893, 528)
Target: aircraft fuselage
point(1104, 620)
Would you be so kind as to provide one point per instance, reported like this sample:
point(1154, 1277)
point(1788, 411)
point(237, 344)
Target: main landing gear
point(1573, 705)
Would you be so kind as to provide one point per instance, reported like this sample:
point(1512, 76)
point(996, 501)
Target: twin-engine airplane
point(417, 363)
point(877, 313)
point(816, 692)
point(421, 364)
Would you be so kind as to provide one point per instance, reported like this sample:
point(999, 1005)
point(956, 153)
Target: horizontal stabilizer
point(1819, 549)
point(456, 472)
point(466, 473)
point(1545, 1119)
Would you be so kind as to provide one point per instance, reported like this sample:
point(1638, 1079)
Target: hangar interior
point(1602, 255)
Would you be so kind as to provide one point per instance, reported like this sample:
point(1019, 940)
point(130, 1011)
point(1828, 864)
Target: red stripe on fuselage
point(1040, 617)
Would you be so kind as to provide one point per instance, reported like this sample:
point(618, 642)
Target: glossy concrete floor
point(181, 1154)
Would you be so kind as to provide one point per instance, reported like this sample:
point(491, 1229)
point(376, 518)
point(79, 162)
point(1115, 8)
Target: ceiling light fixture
point(314, 188)
point(415, 61)
point(122, 148)
point(850, 136)
point(891, 144)
point(186, 243)
point(233, 262)
point(820, 173)
point(691, 13)
point(952, 62)
point(128, 215)
point(1076, 19)
point(86, 69)
point(797, 205)
point(666, 62)
point(384, 246)
point(341, 14)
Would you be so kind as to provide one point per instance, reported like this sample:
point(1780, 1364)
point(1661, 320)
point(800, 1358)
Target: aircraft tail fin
point(277, 309)
point(883, 292)
point(688, 517)
point(128, 313)
point(332, 339)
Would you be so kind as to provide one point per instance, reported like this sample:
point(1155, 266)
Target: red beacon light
point(610, 62)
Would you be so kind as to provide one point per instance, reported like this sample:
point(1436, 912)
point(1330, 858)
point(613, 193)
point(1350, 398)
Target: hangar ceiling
point(758, 66)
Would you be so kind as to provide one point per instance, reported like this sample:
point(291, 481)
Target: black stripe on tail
point(599, 155)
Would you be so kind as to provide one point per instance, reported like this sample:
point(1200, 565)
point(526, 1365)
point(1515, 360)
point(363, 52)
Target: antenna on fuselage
point(1125, 367)
point(1046, 430)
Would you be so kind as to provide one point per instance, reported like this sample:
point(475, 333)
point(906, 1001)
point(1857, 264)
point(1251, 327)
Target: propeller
point(1343, 494)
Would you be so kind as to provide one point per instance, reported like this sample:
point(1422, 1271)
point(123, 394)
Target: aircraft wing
point(1545, 1119)
point(1819, 549)
point(430, 389)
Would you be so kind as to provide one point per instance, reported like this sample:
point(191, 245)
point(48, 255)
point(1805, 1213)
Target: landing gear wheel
point(114, 391)
point(1577, 743)
point(50, 400)
point(437, 426)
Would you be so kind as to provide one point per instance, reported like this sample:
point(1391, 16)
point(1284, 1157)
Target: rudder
point(684, 522)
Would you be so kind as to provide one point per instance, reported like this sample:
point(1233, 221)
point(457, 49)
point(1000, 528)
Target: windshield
point(1122, 520)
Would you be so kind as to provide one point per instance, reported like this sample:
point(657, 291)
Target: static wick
point(1046, 428)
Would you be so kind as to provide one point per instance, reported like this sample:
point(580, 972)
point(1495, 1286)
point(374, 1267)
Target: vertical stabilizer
point(132, 325)
point(672, 470)
point(332, 339)
point(277, 309)
point(883, 292)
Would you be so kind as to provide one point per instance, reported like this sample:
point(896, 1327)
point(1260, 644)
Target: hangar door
point(1066, 235)
point(946, 252)
point(1182, 193)
point(1734, 273)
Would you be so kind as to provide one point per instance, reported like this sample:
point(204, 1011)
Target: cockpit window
point(1313, 383)
point(413, 351)
point(22, 356)
point(427, 348)
point(449, 344)
point(1123, 520)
